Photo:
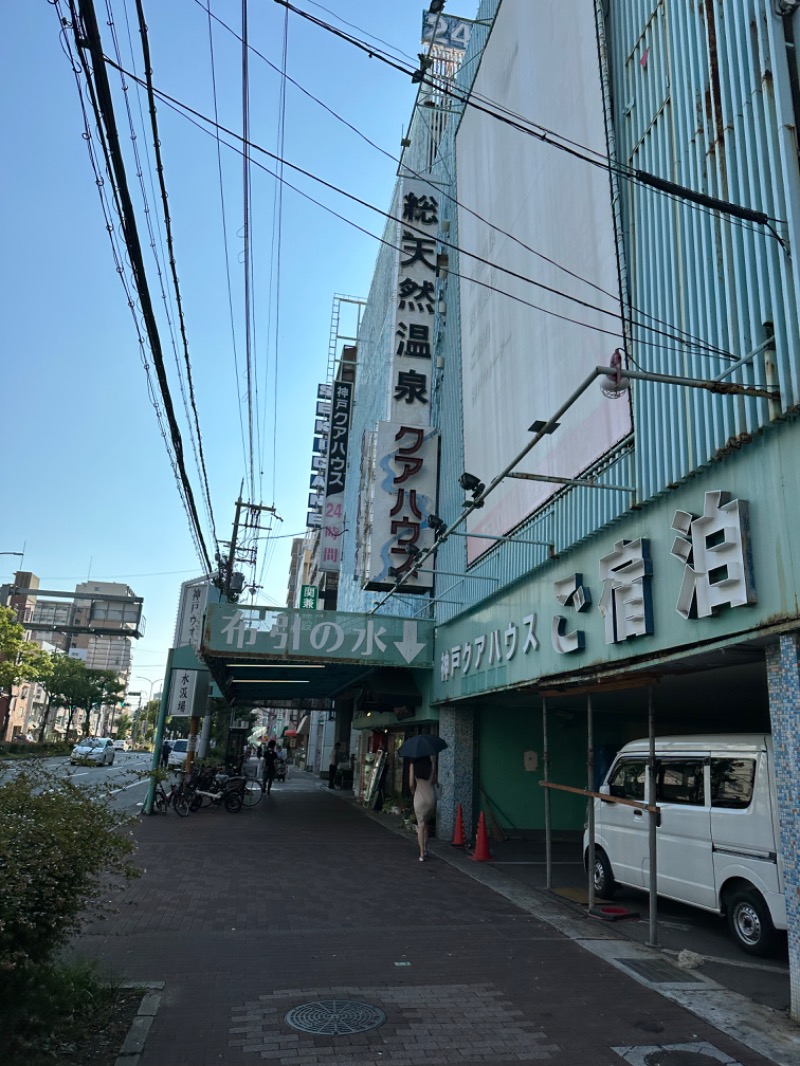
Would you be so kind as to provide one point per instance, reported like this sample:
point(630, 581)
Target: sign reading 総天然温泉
point(407, 455)
point(304, 636)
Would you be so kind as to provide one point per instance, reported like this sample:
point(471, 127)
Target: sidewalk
point(307, 906)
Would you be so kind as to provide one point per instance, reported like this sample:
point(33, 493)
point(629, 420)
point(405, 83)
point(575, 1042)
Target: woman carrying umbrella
point(422, 778)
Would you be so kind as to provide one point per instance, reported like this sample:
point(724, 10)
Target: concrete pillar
point(783, 680)
point(455, 770)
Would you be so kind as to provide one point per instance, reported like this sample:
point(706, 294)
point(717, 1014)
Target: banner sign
point(330, 546)
point(309, 597)
point(404, 495)
point(293, 635)
point(182, 692)
point(194, 597)
point(445, 31)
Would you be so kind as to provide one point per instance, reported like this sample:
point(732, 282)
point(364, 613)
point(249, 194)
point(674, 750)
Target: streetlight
point(140, 677)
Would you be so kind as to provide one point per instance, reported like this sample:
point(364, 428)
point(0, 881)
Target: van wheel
point(604, 883)
point(749, 921)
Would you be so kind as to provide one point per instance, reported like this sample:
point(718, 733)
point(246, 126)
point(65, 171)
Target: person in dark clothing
point(269, 765)
point(333, 764)
point(166, 748)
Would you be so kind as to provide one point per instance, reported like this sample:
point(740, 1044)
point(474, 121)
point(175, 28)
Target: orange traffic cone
point(459, 839)
point(482, 853)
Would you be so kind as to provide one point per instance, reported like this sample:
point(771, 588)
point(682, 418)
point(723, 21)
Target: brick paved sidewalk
point(306, 900)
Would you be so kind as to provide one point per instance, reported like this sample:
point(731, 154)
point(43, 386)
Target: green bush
point(15, 749)
point(56, 839)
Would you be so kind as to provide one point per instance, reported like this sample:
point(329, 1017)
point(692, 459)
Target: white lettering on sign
point(714, 548)
point(717, 557)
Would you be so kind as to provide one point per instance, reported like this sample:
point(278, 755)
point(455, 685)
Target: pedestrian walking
point(166, 748)
point(421, 778)
point(333, 765)
point(269, 765)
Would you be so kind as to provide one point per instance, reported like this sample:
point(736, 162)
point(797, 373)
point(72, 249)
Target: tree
point(124, 724)
point(63, 686)
point(103, 687)
point(68, 685)
point(20, 660)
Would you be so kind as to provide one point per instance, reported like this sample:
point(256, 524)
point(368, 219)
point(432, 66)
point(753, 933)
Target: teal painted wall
point(515, 796)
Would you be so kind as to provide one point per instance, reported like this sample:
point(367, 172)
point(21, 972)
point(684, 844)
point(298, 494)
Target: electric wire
point(148, 70)
point(699, 346)
point(278, 247)
point(117, 255)
point(546, 135)
point(223, 214)
point(689, 339)
point(87, 37)
point(246, 242)
point(154, 245)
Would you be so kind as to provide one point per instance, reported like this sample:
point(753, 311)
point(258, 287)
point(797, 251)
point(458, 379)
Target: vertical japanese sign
point(330, 547)
point(415, 305)
point(182, 692)
point(404, 491)
point(309, 597)
point(194, 597)
point(404, 496)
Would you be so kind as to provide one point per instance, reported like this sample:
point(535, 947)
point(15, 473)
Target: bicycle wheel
point(233, 802)
point(180, 805)
point(161, 803)
point(252, 793)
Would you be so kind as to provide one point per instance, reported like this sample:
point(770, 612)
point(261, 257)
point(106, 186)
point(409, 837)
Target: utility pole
point(246, 520)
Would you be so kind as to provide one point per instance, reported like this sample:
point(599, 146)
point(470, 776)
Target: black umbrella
point(424, 744)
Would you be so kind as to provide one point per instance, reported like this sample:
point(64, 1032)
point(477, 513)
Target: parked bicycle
point(209, 788)
point(174, 798)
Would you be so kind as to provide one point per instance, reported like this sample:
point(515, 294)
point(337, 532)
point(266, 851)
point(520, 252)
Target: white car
point(177, 757)
point(120, 745)
point(99, 750)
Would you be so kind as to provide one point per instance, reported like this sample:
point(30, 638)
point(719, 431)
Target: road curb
point(134, 1042)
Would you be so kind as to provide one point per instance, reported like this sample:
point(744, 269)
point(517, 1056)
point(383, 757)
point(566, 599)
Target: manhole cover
point(679, 1057)
point(335, 1017)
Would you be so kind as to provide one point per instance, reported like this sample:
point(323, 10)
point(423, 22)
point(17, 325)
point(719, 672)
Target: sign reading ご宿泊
point(631, 597)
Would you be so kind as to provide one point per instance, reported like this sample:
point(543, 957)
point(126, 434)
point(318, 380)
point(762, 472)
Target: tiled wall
point(455, 772)
point(783, 679)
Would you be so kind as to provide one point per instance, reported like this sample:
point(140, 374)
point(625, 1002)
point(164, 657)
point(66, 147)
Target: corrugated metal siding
point(694, 103)
point(709, 109)
point(570, 516)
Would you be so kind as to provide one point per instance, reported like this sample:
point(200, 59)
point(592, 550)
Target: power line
point(563, 143)
point(78, 69)
point(247, 263)
point(681, 333)
point(225, 227)
point(90, 41)
point(696, 344)
point(148, 70)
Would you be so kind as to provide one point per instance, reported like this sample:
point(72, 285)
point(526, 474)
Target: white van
point(717, 833)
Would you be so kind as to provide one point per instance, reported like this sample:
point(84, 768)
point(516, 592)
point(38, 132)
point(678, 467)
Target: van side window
point(680, 781)
point(732, 783)
point(627, 780)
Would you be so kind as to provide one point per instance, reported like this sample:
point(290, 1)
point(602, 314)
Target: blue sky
point(85, 480)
